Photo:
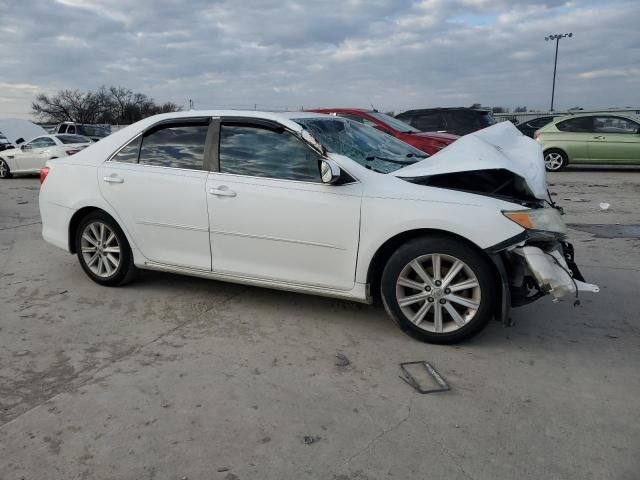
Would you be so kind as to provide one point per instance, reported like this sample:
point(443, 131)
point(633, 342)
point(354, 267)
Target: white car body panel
point(296, 230)
point(308, 237)
point(171, 224)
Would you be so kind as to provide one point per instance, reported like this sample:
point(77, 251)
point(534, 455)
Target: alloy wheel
point(438, 293)
point(4, 169)
point(101, 250)
point(553, 161)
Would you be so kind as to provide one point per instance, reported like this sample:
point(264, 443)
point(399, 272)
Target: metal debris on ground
point(408, 377)
point(308, 440)
point(604, 206)
point(224, 469)
point(342, 360)
point(22, 202)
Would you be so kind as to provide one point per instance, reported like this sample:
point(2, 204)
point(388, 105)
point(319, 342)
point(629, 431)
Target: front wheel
point(5, 171)
point(438, 289)
point(103, 250)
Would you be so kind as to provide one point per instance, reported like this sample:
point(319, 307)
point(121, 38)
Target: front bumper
point(532, 266)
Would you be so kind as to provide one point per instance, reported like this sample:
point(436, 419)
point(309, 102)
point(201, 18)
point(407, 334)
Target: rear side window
point(579, 124)
point(261, 152)
point(465, 120)
point(175, 146)
point(128, 153)
point(73, 139)
point(426, 122)
point(539, 122)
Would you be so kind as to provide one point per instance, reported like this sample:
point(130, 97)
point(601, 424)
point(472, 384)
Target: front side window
point(175, 145)
point(257, 151)
point(576, 125)
point(62, 129)
point(369, 147)
point(614, 125)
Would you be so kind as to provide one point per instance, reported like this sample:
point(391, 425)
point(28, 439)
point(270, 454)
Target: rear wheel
point(103, 250)
point(5, 171)
point(555, 160)
point(438, 289)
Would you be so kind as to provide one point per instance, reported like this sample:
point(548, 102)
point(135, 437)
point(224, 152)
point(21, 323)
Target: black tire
point(5, 171)
point(553, 165)
point(448, 249)
point(125, 271)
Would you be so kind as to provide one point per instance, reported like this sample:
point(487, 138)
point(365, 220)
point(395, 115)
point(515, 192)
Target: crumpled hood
point(500, 146)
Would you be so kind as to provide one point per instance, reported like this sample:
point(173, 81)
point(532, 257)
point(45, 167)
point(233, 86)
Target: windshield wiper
point(391, 160)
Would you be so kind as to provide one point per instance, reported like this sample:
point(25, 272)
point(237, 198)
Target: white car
point(30, 157)
point(318, 204)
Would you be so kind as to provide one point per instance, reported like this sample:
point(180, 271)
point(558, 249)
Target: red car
point(429, 142)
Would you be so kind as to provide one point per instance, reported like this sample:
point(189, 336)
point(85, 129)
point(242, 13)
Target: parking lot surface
point(182, 378)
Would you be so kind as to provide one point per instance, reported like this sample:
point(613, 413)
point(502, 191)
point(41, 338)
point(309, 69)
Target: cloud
point(395, 54)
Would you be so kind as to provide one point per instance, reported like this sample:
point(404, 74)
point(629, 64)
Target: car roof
point(341, 110)
point(419, 110)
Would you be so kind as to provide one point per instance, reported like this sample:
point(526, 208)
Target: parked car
point(94, 132)
point(17, 130)
point(428, 142)
point(610, 139)
point(318, 204)
point(529, 126)
point(5, 144)
point(457, 120)
point(30, 157)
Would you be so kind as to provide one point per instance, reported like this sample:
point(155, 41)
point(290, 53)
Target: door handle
point(222, 192)
point(599, 137)
point(113, 179)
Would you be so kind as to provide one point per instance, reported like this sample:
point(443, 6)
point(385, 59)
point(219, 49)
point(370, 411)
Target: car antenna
point(373, 108)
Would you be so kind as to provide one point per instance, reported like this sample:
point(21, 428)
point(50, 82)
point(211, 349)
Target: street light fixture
point(557, 38)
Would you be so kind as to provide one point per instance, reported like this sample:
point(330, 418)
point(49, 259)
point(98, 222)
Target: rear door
point(156, 185)
point(573, 136)
point(615, 140)
point(271, 216)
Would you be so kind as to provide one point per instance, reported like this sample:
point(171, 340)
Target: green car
point(590, 138)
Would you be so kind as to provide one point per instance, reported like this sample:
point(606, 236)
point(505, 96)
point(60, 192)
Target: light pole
point(557, 38)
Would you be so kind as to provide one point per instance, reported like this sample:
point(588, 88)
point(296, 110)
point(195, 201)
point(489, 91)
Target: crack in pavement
point(20, 226)
point(75, 381)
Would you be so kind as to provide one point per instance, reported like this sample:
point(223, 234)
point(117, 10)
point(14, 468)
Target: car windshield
point(73, 139)
point(92, 130)
point(394, 123)
point(369, 147)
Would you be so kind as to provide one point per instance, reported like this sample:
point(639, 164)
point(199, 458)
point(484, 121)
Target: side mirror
point(25, 147)
point(329, 171)
point(19, 141)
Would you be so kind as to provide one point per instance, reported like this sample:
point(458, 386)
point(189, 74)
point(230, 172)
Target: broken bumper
point(532, 266)
point(554, 271)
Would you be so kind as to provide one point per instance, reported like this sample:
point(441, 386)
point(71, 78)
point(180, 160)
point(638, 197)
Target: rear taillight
point(44, 171)
point(71, 152)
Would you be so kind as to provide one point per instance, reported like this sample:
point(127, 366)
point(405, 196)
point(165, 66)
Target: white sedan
point(318, 204)
point(30, 157)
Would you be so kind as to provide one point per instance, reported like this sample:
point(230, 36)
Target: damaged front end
point(535, 264)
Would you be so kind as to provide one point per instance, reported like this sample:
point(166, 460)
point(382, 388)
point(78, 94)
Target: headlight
point(544, 219)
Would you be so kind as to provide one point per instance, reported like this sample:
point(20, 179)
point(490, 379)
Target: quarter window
point(614, 125)
point(128, 153)
point(175, 145)
point(262, 152)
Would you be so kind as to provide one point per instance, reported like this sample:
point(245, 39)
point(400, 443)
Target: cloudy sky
point(394, 54)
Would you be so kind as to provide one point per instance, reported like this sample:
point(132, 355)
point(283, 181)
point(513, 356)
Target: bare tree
point(117, 105)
